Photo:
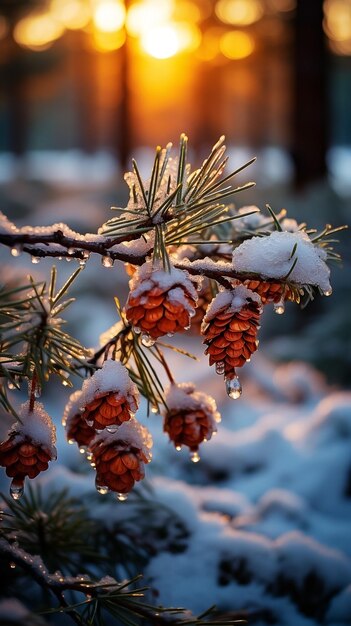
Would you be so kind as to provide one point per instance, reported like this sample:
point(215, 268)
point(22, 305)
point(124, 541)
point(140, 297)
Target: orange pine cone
point(22, 453)
point(78, 430)
point(120, 457)
point(190, 417)
point(160, 302)
point(205, 297)
point(107, 410)
point(269, 292)
point(230, 329)
point(108, 398)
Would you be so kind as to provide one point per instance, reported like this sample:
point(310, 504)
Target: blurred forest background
point(86, 84)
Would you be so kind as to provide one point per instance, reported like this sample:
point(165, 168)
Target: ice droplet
point(233, 387)
point(154, 410)
point(82, 262)
point(107, 261)
point(170, 335)
point(16, 250)
point(11, 385)
point(89, 456)
point(112, 428)
point(187, 327)
point(12, 565)
point(192, 313)
point(122, 497)
point(35, 259)
point(71, 250)
point(137, 330)
point(328, 292)
point(103, 489)
point(178, 448)
point(82, 449)
point(220, 367)
point(37, 392)
point(147, 341)
point(279, 307)
point(70, 441)
point(17, 488)
point(194, 456)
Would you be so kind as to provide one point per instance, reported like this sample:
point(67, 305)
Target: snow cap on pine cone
point(119, 457)
point(190, 417)
point(271, 257)
point(160, 302)
point(109, 397)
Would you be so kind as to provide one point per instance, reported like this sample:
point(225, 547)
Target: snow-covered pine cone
point(230, 329)
point(120, 457)
point(109, 397)
point(77, 430)
point(160, 302)
point(29, 447)
point(190, 417)
point(269, 291)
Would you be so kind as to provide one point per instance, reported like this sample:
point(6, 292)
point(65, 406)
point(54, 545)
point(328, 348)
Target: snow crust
point(131, 432)
point(232, 301)
point(150, 275)
point(112, 376)
point(271, 257)
point(37, 426)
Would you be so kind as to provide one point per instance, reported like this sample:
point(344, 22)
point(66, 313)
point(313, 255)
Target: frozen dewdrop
point(154, 410)
point(220, 368)
point(82, 449)
point(17, 489)
point(102, 489)
point(146, 340)
point(16, 250)
point(113, 427)
point(195, 457)
point(233, 387)
point(11, 385)
point(12, 565)
point(122, 497)
point(107, 261)
point(89, 456)
point(279, 307)
point(35, 260)
point(178, 448)
point(71, 441)
point(37, 392)
point(328, 292)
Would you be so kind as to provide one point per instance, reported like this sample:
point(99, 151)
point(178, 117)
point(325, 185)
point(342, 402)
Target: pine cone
point(205, 297)
point(160, 302)
point(28, 448)
point(190, 417)
point(77, 430)
point(109, 397)
point(230, 329)
point(120, 457)
point(269, 292)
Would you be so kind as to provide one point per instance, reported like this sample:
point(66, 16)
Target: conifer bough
point(191, 256)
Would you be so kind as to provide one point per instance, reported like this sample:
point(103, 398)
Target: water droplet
point(220, 368)
point(59, 258)
point(101, 488)
point(65, 383)
point(86, 254)
point(279, 307)
point(233, 387)
point(89, 455)
point(37, 392)
point(178, 448)
point(12, 565)
point(71, 250)
point(328, 292)
point(17, 488)
point(11, 385)
point(154, 410)
point(122, 497)
point(82, 262)
point(187, 327)
point(82, 449)
point(68, 259)
point(194, 457)
point(257, 343)
point(107, 261)
point(170, 334)
point(35, 260)
point(192, 313)
point(147, 341)
point(112, 428)
point(16, 250)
